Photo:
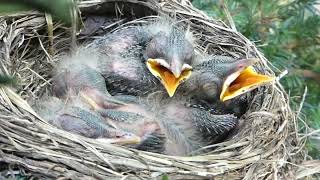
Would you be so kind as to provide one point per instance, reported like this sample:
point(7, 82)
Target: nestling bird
point(73, 116)
point(76, 75)
point(168, 126)
point(218, 79)
point(137, 118)
point(174, 126)
point(77, 82)
point(189, 129)
point(133, 58)
point(162, 125)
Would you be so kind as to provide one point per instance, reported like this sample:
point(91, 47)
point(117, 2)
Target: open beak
point(170, 79)
point(242, 80)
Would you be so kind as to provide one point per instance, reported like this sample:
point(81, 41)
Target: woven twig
point(266, 146)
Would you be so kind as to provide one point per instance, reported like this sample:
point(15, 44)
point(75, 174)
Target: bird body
point(219, 84)
point(80, 79)
point(173, 128)
point(130, 62)
point(166, 125)
point(191, 128)
point(77, 77)
point(77, 118)
point(121, 62)
point(134, 59)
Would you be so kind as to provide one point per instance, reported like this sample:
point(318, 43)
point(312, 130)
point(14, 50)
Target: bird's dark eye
point(155, 49)
point(210, 89)
point(157, 46)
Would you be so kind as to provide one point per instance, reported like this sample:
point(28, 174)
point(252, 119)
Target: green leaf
point(58, 8)
point(9, 8)
point(7, 80)
point(165, 177)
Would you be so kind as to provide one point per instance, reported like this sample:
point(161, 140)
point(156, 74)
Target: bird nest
point(265, 145)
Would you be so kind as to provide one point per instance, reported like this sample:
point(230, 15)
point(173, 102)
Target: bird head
point(225, 80)
point(169, 55)
point(75, 72)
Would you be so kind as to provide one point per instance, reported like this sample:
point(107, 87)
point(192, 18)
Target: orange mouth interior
point(167, 78)
point(241, 82)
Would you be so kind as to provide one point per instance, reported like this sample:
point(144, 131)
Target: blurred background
point(288, 34)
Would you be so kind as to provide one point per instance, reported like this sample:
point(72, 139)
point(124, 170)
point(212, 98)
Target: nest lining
point(266, 145)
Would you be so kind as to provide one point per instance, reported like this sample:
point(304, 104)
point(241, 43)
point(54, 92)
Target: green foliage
point(288, 33)
point(58, 8)
point(165, 177)
point(313, 149)
point(7, 80)
point(7, 8)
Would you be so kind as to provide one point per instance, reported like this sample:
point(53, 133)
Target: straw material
point(266, 145)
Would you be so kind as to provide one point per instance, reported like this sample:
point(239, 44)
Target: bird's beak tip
point(170, 93)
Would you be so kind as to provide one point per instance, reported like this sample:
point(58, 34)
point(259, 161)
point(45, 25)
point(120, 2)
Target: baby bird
point(73, 116)
point(168, 126)
point(137, 118)
point(189, 129)
point(77, 82)
point(134, 59)
point(163, 125)
point(218, 79)
point(77, 75)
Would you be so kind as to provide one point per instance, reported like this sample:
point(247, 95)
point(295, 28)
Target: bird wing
point(213, 127)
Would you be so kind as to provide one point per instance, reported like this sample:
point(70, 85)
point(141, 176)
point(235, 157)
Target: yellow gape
point(241, 82)
point(167, 78)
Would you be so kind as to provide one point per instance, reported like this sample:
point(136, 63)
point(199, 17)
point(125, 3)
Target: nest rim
point(268, 145)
